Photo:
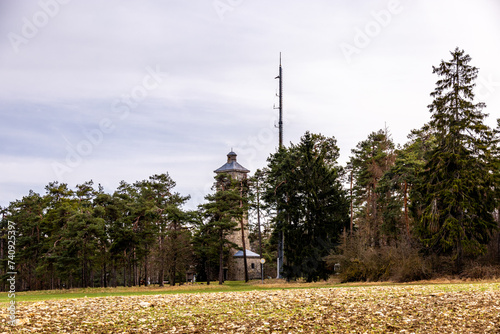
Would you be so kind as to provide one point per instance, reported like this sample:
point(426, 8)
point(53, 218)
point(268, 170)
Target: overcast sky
point(120, 89)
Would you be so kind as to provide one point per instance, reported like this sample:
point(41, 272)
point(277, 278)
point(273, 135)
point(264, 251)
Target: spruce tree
point(456, 187)
point(303, 185)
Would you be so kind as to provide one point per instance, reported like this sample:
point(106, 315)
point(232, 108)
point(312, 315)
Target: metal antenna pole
point(280, 124)
point(281, 237)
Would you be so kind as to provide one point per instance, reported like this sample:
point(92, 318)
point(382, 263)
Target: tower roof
point(231, 165)
point(248, 252)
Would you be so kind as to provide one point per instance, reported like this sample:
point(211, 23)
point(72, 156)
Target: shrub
point(401, 262)
point(476, 271)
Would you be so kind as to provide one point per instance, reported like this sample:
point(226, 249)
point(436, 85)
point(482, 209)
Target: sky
point(121, 90)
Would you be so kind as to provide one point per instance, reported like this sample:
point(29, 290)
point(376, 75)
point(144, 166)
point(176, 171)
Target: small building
point(235, 267)
point(253, 265)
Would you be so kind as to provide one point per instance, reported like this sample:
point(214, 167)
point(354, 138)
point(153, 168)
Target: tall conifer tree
point(371, 159)
point(457, 199)
point(222, 213)
point(303, 185)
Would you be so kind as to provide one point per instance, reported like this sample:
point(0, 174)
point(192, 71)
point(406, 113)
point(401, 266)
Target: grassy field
point(201, 287)
point(270, 308)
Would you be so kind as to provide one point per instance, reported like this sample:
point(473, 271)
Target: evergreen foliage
point(85, 237)
point(397, 183)
point(456, 187)
point(260, 222)
point(223, 212)
point(427, 206)
point(370, 160)
point(303, 184)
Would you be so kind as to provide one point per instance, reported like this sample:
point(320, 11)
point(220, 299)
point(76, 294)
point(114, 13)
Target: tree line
point(432, 205)
point(428, 207)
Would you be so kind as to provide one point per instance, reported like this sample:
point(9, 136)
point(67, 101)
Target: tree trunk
point(91, 277)
point(101, 277)
point(160, 276)
point(84, 280)
point(459, 259)
point(352, 218)
point(105, 276)
point(407, 222)
point(51, 277)
point(498, 247)
point(30, 280)
point(133, 272)
point(125, 271)
point(161, 248)
point(498, 235)
point(113, 282)
point(244, 250)
point(173, 270)
point(243, 236)
point(173, 267)
point(221, 260)
point(207, 271)
point(146, 273)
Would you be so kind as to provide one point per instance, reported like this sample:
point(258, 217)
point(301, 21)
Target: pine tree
point(397, 183)
point(371, 159)
point(27, 215)
point(60, 259)
point(222, 213)
point(456, 186)
point(204, 245)
point(107, 210)
point(160, 224)
point(259, 218)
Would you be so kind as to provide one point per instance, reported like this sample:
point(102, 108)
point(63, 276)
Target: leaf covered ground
point(450, 308)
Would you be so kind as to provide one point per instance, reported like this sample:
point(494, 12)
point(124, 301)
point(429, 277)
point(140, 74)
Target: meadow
point(274, 307)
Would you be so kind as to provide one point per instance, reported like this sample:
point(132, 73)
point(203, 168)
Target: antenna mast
point(280, 107)
point(280, 124)
point(281, 237)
